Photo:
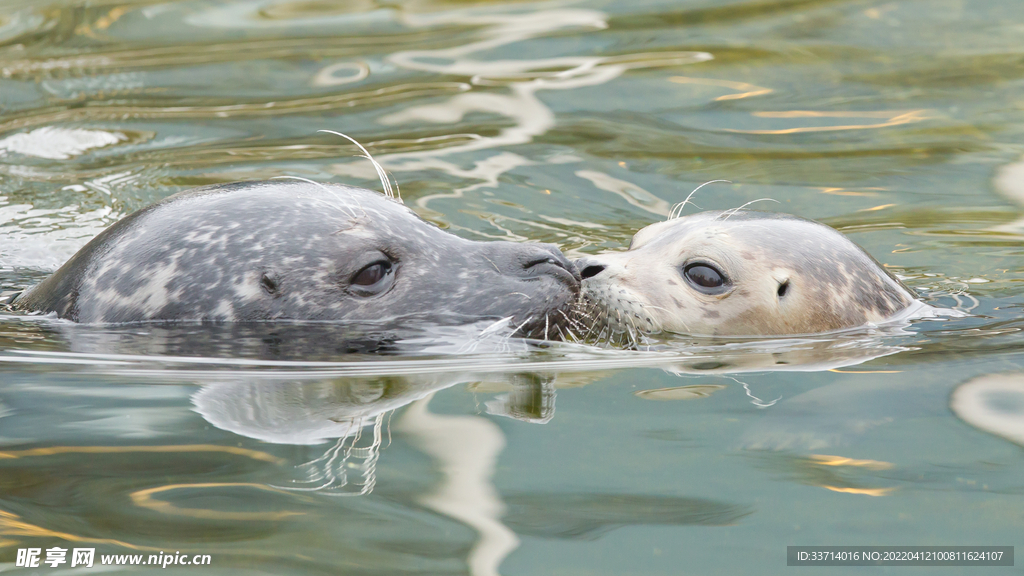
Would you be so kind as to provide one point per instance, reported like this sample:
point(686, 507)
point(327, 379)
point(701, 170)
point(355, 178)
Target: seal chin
point(741, 273)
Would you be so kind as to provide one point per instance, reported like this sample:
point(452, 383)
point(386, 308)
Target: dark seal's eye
point(705, 278)
point(373, 279)
point(372, 274)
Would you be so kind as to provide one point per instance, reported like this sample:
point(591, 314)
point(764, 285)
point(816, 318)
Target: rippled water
point(899, 123)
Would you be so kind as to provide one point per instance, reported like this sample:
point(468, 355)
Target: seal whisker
point(325, 189)
point(673, 214)
point(632, 338)
point(650, 319)
point(385, 183)
point(635, 337)
point(569, 321)
point(398, 191)
point(582, 315)
point(384, 180)
point(593, 327)
point(388, 190)
point(492, 328)
point(728, 213)
point(520, 327)
point(627, 333)
point(492, 263)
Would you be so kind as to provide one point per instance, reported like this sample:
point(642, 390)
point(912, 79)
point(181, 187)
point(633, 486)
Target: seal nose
point(532, 261)
point(589, 267)
point(547, 258)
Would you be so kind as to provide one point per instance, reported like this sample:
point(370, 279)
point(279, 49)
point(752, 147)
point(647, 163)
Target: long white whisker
point(325, 189)
point(385, 183)
point(683, 204)
point(570, 320)
point(518, 328)
point(398, 191)
point(735, 210)
point(492, 328)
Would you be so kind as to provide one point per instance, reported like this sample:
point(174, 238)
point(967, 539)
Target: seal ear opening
point(270, 284)
point(783, 288)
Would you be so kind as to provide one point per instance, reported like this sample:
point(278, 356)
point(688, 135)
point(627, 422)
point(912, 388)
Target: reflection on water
point(993, 403)
point(299, 449)
point(588, 516)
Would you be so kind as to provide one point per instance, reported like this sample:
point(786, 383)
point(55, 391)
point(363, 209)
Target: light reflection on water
point(281, 449)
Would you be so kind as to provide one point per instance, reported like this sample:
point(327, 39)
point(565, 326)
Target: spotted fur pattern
point(287, 250)
point(830, 282)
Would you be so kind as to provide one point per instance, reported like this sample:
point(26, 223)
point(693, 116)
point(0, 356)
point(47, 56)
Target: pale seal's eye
point(705, 278)
point(373, 278)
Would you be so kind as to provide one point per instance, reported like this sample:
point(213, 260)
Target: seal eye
point(705, 278)
point(372, 274)
point(373, 278)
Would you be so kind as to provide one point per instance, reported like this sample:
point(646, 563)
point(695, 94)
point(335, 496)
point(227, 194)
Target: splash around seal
point(303, 251)
point(736, 273)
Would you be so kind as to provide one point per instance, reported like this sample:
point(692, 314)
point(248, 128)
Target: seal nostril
point(591, 271)
point(531, 263)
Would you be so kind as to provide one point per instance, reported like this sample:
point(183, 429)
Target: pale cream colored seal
point(736, 273)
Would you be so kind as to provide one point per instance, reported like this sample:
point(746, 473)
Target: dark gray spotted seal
point(737, 273)
point(289, 250)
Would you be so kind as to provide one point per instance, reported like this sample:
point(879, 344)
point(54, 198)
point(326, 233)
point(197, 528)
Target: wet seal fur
point(303, 251)
point(780, 275)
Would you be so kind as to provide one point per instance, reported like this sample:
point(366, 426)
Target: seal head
point(736, 273)
point(301, 251)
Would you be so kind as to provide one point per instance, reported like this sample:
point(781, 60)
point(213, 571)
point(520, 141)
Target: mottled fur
point(831, 283)
point(287, 250)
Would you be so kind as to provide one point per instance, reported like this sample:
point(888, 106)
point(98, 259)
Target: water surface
point(899, 123)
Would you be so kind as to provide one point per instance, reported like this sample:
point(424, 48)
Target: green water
point(900, 123)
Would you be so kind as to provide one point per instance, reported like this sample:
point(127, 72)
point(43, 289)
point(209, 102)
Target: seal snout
point(536, 285)
point(531, 261)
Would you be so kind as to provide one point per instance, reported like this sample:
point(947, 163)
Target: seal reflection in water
point(283, 250)
point(736, 273)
